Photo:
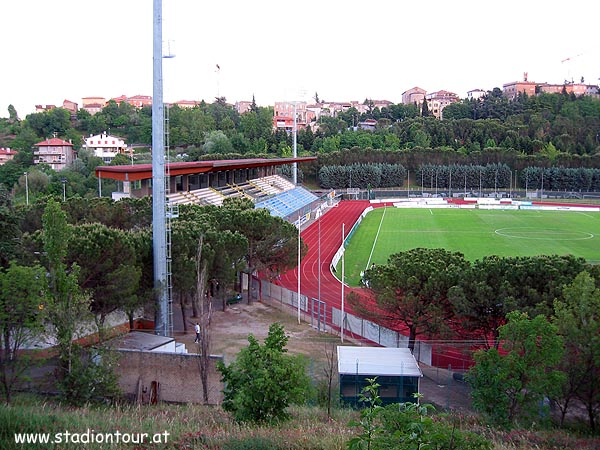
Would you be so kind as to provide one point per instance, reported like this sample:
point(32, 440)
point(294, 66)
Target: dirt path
point(230, 330)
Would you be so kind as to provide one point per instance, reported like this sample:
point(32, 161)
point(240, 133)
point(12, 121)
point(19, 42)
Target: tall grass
point(209, 427)
point(188, 426)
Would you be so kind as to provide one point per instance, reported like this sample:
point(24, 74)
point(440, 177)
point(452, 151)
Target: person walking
point(197, 330)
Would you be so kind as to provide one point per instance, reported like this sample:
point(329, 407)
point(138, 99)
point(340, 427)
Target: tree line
point(536, 321)
point(543, 130)
point(97, 255)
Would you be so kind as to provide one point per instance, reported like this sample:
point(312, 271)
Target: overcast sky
point(342, 49)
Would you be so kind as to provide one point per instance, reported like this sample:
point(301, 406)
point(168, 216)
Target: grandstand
point(280, 196)
point(288, 202)
point(210, 182)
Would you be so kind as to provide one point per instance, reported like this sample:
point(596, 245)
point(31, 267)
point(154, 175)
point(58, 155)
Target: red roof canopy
point(144, 171)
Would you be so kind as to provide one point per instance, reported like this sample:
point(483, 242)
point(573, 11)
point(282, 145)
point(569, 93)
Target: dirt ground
point(230, 330)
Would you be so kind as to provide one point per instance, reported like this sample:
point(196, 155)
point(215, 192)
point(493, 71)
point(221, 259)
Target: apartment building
point(93, 105)
point(283, 116)
point(243, 106)
point(55, 152)
point(437, 101)
point(106, 146)
point(513, 89)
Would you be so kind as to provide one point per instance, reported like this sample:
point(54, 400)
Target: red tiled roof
point(54, 142)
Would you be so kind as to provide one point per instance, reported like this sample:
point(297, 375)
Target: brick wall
point(177, 375)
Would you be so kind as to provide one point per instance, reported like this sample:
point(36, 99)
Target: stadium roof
point(144, 171)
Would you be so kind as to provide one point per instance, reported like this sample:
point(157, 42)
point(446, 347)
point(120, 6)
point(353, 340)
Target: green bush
point(407, 426)
point(91, 379)
point(263, 381)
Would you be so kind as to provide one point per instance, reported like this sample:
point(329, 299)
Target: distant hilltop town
point(305, 112)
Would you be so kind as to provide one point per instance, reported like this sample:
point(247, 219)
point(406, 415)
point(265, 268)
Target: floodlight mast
point(162, 318)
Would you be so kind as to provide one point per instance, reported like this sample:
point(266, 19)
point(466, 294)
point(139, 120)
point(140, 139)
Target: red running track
point(347, 212)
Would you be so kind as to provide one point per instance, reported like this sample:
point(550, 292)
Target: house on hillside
point(6, 154)
point(55, 152)
point(106, 146)
point(396, 370)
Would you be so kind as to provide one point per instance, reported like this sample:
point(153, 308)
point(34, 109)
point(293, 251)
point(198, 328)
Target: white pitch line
point(376, 236)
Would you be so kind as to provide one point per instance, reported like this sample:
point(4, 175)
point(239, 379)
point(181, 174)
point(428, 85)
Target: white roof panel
point(381, 361)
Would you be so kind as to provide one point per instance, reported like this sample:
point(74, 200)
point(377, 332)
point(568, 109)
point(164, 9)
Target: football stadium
point(474, 232)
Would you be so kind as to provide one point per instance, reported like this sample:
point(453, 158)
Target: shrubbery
point(263, 381)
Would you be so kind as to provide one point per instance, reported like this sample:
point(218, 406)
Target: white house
point(106, 146)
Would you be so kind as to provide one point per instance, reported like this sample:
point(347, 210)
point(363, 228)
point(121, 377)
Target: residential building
point(572, 88)
point(139, 101)
point(593, 90)
point(243, 106)
point(368, 124)
point(106, 147)
point(70, 106)
point(6, 154)
point(476, 94)
point(44, 108)
point(413, 96)
point(283, 116)
point(381, 104)
point(186, 104)
point(55, 152)
point(93, 105)
point(513, 89)
point(437, 101)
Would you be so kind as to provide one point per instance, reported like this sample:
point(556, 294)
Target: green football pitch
point(473, 232)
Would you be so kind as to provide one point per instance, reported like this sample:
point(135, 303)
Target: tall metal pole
point(26, 189)
point(343, 313)
point(298, 267)
point(162, 318)
point(319, 270)
point(295, 148)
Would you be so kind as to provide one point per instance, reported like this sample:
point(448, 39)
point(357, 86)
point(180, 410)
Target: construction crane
point(569, 60)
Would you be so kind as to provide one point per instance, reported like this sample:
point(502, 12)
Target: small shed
point(148, 342)
point(396, 370)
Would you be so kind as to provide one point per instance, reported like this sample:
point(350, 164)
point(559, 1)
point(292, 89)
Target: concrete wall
point(177, 375)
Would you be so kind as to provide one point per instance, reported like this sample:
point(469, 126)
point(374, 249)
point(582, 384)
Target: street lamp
point(64, 183)
point(26, 189)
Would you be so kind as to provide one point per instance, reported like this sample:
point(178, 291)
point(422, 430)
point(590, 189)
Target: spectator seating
point(273, 192)
point(288, 202)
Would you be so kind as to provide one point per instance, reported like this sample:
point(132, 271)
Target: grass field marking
point(547, 234)
point(586, 215)
point(376, 236)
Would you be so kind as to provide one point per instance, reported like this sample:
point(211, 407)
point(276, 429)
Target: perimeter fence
point(455, 355)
